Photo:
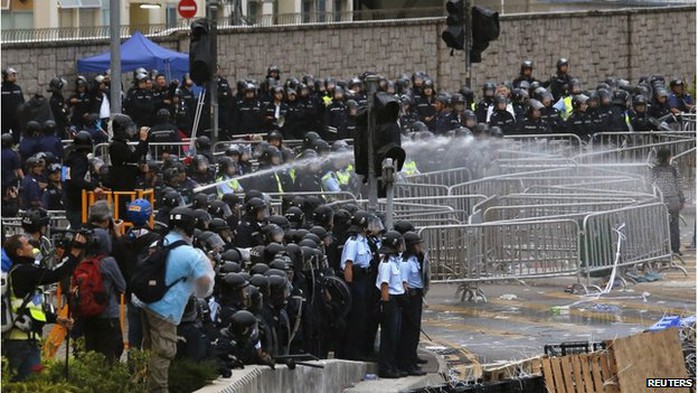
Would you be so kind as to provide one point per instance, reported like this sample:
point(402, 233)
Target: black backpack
point(148, 279)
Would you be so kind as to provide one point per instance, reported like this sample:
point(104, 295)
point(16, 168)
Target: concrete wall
point(623, 43)
point(337, 375)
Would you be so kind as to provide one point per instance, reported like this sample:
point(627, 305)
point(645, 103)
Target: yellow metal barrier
point(114, 198)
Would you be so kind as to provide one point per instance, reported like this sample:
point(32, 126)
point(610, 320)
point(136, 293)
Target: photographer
point(124, 158)
point(100, 319)
point(20, 345)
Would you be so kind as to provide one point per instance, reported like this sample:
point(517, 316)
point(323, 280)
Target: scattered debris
point(605, 308)
point(508, 296)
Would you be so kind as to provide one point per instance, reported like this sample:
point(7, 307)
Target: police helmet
point(34, 219)
point(83, 141)
point(200, 201)
point(403, 226)
point(390, 242)
point(203, 143)
point(183, 218)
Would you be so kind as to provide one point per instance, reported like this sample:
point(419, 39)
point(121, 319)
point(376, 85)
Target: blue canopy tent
point(138, 51)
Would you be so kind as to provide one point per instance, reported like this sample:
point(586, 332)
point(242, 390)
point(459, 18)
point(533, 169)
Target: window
point(105, 12)
point(306, 9)
point(321, 10)
point(17, 20)
point(80, 3)
point(252, 10)
point(171, 16)
point(337, 11)
point(5, 5)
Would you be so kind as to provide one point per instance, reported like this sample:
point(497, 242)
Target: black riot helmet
point(203, 143)
point(83, 141)
point(219, 209)
point(7, 140)
point(254, 206)
point(309, 139)
point(295, 216)
point(323, 216)
point(232, 255)
point(243, 325)
point(273, 233)
point(200, 201)
point(390, 242)
point(183, 218)
point(170, 199)
point(34, 219)
point(56, 84)
point(526, 65)
point(281, 221)
point(403, 226)
point(123, 128)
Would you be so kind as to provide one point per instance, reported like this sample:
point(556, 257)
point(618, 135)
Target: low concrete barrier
point(335, 377)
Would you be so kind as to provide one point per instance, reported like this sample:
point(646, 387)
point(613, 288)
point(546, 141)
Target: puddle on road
point(575, 316)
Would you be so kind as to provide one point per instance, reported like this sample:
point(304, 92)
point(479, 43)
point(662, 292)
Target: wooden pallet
point(580, 373)
point(623, 367)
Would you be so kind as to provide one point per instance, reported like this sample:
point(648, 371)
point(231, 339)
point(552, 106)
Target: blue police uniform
point(413, 276)
point(357, 250)
point(389, 273)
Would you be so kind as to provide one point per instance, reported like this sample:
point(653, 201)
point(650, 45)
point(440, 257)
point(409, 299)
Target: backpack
point(148, 279)
point(88, 298)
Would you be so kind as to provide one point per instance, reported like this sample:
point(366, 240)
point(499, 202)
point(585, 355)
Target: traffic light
point(454, 35)
point(200, 58)
point(386, 135)
point(485, 25)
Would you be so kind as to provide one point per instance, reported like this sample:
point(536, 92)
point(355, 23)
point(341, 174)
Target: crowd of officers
point(317, 278)
point(312, 280)
point(329, 106)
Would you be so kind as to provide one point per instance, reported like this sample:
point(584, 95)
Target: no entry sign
point(186, 8)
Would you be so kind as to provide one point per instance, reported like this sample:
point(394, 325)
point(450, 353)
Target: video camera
point(64, 238)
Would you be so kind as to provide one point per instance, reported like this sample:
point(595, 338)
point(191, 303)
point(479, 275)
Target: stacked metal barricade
point(546, 206)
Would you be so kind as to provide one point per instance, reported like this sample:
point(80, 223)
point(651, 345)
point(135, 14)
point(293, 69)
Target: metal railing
point(83, 33)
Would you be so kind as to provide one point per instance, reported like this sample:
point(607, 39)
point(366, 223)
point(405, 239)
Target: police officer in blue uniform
point(415, 276)
point(389, 282)
point(355, 263)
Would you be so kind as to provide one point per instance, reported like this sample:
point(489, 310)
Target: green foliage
point(187, 376)
point(90, 372)
point(692, 87)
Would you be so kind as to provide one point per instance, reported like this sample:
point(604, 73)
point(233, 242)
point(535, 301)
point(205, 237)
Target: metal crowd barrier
point(542, 211)
point(448, 177)
point(155, 150)
point(639, 153)
point(502, 251)
point(114, 199)
point(13, 225)
point(410, 190)
point(686, 164)
point(646, 237)
point(562, 143)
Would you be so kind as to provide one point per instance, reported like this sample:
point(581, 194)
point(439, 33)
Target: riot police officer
point(58, 107)
point(12, 98)
point(579, 122)
point(639, 118)
point(561, 79)
point(185, 105)
point(533, 123)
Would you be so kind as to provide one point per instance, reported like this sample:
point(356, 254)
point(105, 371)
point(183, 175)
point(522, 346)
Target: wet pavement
point(508, 328)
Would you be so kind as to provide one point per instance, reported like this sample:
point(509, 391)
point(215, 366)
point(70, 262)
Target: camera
point(66, 238)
